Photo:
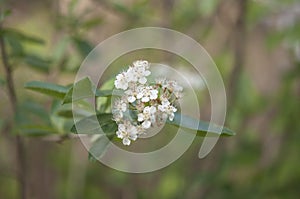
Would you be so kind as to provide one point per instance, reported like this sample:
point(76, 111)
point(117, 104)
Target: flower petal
point(145, 99)
point(143, 80)
point(126, 141)
point(146, 124)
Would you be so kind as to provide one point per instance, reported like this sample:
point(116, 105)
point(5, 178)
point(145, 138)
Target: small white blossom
point(127, 132)
point(170, 111)
point(119, 107)
point(164, 104)
point(141, 71)
point(148, 93)
point(121, 81)
point(147, 116)
point(117, 116)
point(131, 75)
point(141, 63)
point(132, 92)
point(167, 108)
point(173, 87)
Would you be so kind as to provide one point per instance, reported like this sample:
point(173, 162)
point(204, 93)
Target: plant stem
point(20, 152)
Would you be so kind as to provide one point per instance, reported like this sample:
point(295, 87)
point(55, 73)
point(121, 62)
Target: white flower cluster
point(143, 104)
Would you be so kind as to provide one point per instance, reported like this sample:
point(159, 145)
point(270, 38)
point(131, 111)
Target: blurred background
point(256, 46)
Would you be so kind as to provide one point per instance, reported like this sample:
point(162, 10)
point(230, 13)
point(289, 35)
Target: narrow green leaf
point(16, 48)
point(105, 93)
point(65, 113)
point(59, 52)
point(37, 62)
point(34, 130)
point(68, 113)
point(84, 89)
point(83, 46)
point(61, 124)
point(200, 126)
point(89, 125)
point(22, 36)
point(98, 148)
point(50, 89)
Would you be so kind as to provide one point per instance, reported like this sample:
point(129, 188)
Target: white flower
point(132, 92)
point(147, 93)
point(121, 81)
point(141, 70)
point(136, 73)
point(170, 111)
point(117, 116)
point(119, 107)
point(141, 63)
point(147, 116)
point(167, 108)
point(131, 75)
point(173, 87)
point(141, 130)
point(127, 132)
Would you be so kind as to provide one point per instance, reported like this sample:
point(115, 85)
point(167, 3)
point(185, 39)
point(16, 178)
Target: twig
point(20, 152)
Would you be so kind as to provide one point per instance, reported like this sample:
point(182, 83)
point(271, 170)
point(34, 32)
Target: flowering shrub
point(138, 105)
point(143, 104)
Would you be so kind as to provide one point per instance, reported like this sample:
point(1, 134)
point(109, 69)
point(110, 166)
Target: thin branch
point(20, 152)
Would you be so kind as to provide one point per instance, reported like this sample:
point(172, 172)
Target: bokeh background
point(256, 46)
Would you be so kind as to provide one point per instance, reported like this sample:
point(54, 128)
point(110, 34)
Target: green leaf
point(61, 124)
point(65, 113)
point(201, 127)
point(106, 93)
point(98, 148)
point(34, 130)
point(89, 125)
point(83, 89)
point(109, 128)
point(50, 89)
point(68, 113)
point(18, 35)
point(16, 48)
point(83, 46)
point(59, 52)
point(38, 63)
